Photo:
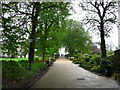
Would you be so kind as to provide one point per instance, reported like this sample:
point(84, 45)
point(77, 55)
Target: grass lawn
point(17, 59)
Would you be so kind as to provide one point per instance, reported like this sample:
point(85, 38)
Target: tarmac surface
point(64, 74)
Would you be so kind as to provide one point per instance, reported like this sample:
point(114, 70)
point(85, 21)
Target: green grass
point(17, 59)
point(14, 59)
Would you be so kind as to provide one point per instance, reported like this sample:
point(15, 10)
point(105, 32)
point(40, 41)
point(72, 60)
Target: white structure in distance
point(62, 51)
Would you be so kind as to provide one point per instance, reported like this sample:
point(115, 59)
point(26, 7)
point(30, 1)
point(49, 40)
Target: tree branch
point(97, 7)
point(24, 13)
point(109, 20)
point(105, 8)
point(91, 20)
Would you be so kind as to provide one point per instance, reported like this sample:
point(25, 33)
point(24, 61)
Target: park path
point(65, 74)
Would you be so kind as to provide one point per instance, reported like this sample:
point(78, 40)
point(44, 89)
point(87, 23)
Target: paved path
point(65, 74)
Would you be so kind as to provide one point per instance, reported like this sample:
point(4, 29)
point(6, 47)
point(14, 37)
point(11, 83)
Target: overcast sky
point(113, 39)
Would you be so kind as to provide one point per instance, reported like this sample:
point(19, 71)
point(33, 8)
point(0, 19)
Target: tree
point(51, 21)
point(25, 12)
point(76, 39)
point(13, 31)
point(100, 16)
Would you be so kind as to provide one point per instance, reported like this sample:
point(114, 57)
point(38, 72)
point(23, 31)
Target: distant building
point(95, 50)
point(62, 51)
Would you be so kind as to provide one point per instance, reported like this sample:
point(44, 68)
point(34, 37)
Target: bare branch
point(109, 20)
point(96, 5)
point(91, 11)
point(89, 20)
point(105, 8)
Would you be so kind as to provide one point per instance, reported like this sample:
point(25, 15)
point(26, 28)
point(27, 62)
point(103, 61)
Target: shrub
point(95, 56)
point(95, 68)
point(18, 70)
point(37, 58)
point(81, 61)
point(97, 60)
point(87, 65)
point(102, 65)
point(76, 61)
point(115, 62)
point(71, 58)
point(99, 64)
point(80, 55)
point(13, 70)
point(105, 62)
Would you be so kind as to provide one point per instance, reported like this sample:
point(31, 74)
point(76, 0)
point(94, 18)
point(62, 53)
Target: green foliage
point(13, 70)
point(76, 61)
point(50, 29)
point(19, 26)
point(86, 65)
point(110, 53)
point(18, 70)
point(99, 64)
point(95, 68)
point(115, 62)
point(96, 60)
point(76, 39)
point(95, 63)
point(37, 58)
point(105, 62)
point(80, 55)
point(13, 32)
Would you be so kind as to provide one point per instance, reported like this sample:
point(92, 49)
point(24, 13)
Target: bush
point(95, 63)
point(87, 65)
point(95, 68)
point(105, 62)
point(71, 58)
point(37, 58)
point(81, 61)
point(80, 55)
point(18, 70)
point(94, 56)
point(76, 61)
point(99, 64)
point(97, 60)
point(13, 70)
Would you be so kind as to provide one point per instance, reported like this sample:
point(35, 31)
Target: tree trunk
point(32, 41)
point(103, 47)
point(32, 46)
point(34, 17)
point(43, 55)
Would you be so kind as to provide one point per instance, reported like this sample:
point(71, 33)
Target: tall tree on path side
point(100, 16)
point(32, 10)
